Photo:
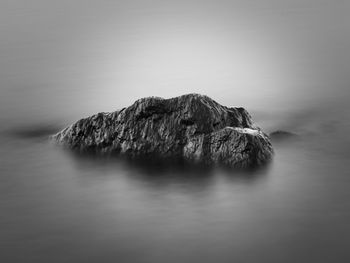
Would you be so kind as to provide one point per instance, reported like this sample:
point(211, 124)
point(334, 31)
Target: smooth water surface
point(60, 207)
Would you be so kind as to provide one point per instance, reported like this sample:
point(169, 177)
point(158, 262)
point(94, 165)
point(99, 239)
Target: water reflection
point(158, 174)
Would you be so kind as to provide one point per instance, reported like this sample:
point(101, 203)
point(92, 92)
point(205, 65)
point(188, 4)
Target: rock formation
point(278, 136)
point(191, 128)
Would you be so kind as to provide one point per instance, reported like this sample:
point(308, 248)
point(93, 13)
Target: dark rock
point(282, 136)
point(34, 131)
point(191, 128)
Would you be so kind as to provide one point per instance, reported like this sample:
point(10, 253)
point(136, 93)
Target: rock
point(34, 131)
point(191, 128)
point(279, 136)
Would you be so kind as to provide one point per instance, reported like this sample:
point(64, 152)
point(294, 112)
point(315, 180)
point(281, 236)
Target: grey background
point(67, 59)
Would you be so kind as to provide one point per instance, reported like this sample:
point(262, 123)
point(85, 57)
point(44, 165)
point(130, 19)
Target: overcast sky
point(60, 58)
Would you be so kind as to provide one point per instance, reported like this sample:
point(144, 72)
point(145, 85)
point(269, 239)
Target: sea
point(57, 206)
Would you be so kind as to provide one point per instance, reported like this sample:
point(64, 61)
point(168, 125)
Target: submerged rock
point(191, 128)
point(278, 136)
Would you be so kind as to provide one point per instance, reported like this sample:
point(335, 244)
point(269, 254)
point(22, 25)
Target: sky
point(69, 59)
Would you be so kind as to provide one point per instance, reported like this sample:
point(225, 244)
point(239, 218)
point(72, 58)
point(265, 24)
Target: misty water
point(61, 207)
point(286, 62)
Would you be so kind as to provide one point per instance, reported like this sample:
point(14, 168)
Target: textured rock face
point(191, 127)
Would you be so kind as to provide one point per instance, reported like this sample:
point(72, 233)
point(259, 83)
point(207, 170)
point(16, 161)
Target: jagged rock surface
point(191, 127)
